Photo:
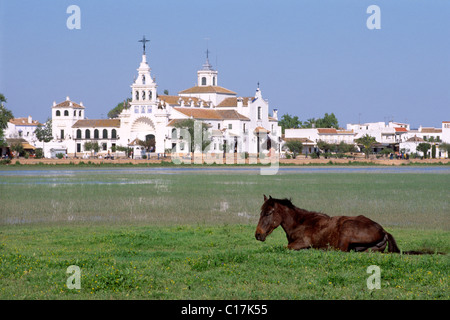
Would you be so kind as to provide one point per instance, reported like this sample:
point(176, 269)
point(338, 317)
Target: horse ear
point(270, 197)
point(265, 198)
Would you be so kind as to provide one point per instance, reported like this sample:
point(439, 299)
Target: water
point(75, 176)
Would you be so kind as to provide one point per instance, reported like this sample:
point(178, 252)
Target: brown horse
point(305, 229)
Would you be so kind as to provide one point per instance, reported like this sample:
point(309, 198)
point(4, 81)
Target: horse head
point(270, 218)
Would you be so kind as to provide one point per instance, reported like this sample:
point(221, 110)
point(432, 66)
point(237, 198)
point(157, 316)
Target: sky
point(310, 57)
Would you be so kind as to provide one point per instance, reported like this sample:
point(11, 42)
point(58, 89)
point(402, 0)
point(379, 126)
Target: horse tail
point(392, 245)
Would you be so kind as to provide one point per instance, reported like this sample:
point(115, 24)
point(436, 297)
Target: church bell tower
point(207, 76)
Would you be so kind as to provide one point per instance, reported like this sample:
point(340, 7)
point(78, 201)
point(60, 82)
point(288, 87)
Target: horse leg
point(378, 246)
point(298, 245)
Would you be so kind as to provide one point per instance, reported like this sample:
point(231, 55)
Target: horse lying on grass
point(306, 229)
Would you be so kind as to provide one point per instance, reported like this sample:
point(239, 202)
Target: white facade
point(22, 128)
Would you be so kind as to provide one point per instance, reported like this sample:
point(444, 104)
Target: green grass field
point(141, 235)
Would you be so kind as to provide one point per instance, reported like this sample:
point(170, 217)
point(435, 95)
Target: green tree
point(189, 125)
point(5, 116)
point(295, 146)
point(343, 147)
point(328, 121)
point(445, 147)
point(309, 123)
point(114, 113)
point(17, 147)
point(433, 151)
point(423, 147)
point(44, 134)
point(91, 146)
point(367, 142)
point(325, 146)
point(289, 122)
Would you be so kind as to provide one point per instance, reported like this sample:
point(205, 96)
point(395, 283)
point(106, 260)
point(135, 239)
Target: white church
point(242, 123)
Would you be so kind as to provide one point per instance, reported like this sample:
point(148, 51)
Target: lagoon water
point(73, 173)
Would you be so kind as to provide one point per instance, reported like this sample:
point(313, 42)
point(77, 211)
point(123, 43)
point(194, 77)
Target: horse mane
point(285, 202)
point(288, 203)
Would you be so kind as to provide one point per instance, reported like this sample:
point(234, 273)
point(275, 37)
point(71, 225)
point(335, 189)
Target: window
point(75, 113)
point(143, 95)
point(78, 134)
point(149, 109)
point(58, 113)
point(62, 134)
point(113, 134)
point(66, 113)
point(79, 114)
point(136, 109)
point(87, 134)
point(96, 135)
point(214, 81)
point(149, 95)
point(78, 147)
point(105, 134)
point(104, 146)
point(204, 81)
point(243, 127)
point(142, 109)
point(218, 126)
point(230, 126)
point(143, 79)
point(259, 113)
point(137, 95)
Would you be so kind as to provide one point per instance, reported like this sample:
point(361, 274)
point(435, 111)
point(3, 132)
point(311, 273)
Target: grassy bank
point(217, 262)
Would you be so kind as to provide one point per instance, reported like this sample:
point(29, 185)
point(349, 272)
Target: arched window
point(66, 113)
point(137, 95)
point(259, 113)
point(214, 81)
point(113, 134)
point(75, 113)
point(143, 95)
point(105, 134)
point(143, 79)
point(78, 134)
point(204, 81)
point(96, 134)
point(149, 95)
point(58, 113)
point(87, 134)
point(79, 114)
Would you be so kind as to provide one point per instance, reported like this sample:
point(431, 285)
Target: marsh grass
point(406, 200)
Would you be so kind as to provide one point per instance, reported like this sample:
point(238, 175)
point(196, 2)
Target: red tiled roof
point(207, 89)
point(232, 102)
point(211, 114)
point(97, 123)
point(66, 104)
point(401, 130)
point(24, 122)
point(327, 131)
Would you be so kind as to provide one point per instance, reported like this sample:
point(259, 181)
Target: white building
point(311, 136)
point(241, 122)
point(22, 128)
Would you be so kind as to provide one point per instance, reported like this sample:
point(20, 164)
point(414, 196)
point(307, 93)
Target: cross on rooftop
point(143, 42)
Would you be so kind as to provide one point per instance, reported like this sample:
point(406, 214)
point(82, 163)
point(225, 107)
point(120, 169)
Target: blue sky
point(310, 57)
